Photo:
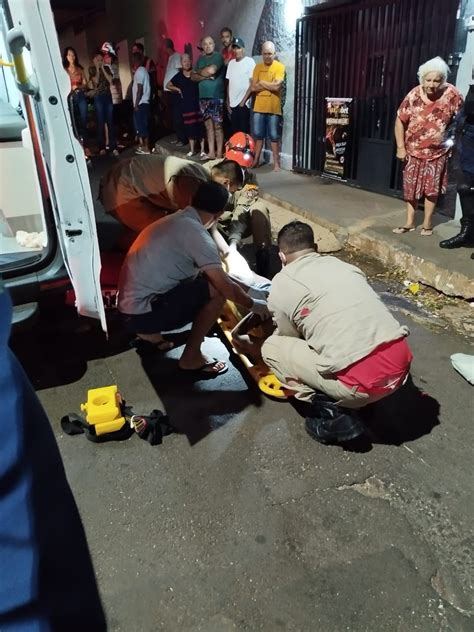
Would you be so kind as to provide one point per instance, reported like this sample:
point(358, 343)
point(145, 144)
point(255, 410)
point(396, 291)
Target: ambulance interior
point(23, 235)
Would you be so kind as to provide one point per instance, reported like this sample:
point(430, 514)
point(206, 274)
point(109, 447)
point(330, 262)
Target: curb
point(416, 268)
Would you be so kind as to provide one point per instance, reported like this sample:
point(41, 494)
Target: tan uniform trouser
point(293, 362)
point(138, 214)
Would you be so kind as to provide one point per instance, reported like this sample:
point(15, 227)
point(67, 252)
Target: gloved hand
point(260, 307)
point(238, 267)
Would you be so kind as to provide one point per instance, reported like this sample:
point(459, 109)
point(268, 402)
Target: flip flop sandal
point(426, 232)
point(401, 230)
point(147, 347)
point(206, 370)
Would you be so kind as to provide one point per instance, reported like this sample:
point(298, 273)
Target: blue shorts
point(141, 118)
point(171, 310)
point(267, 125)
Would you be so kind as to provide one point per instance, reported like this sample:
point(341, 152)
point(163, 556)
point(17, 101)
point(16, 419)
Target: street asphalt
point(239, 520)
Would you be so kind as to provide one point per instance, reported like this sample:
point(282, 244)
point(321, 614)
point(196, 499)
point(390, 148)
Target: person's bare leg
point(430, 204)
point(193, 357)
point(219, 132)
point(192, 145)
point(211, 141)
point(276, 155)
point(158, 340)
point(410, 222)
point(258, 151)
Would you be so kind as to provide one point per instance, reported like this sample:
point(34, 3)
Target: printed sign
point(338, 120)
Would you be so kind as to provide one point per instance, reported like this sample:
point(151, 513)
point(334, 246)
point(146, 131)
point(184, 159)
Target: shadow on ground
point(405, 416)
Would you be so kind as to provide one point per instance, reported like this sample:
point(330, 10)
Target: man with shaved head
point(209, 72)
point(266, 84)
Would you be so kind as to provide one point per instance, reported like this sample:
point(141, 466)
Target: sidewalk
point(365, 220)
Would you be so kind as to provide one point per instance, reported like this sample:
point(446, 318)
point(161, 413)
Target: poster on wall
point(338, 122)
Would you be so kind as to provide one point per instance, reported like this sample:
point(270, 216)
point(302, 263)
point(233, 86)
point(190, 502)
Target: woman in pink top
point(420, 132)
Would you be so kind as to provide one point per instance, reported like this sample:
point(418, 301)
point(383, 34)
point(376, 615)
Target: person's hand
point(260, 307)
point(241, 104)
point(401, 153)
point(238, 267)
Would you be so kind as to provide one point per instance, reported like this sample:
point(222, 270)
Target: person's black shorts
point(172, 310)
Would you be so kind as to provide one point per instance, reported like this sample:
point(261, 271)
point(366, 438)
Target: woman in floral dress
point(421, 135)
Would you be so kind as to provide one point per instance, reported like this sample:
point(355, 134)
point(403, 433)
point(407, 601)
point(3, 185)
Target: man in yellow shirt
point(266, 84)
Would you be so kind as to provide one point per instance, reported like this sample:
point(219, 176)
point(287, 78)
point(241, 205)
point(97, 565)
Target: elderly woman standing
point(182, 84)
point(420, 132)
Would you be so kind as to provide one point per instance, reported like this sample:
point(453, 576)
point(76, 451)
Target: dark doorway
point(368, 50)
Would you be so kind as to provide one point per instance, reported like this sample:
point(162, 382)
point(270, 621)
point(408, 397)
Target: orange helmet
point(241, 148)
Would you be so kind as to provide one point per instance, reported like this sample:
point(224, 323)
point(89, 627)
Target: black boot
point(331, 423)
point(262, 262)
point(464, 238)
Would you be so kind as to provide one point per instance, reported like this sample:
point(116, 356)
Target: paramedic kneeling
point(335, 343)
point(172, 275)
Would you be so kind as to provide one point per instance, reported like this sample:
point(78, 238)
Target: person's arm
point(108, 74)
point(208, 72)
point(272, 86)
point(238, 226)
point(248, 94)
point(172, 88)
point(229, 290)
point(139, 96)
point(253, 87)
point(84, 80)
point(284, 326)
point(197, 75)
point(400, 139)
point(222, 245)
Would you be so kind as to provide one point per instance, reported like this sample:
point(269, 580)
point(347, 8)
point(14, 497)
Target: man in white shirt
point(174, 118)
point(239, 74)
point(141, 102)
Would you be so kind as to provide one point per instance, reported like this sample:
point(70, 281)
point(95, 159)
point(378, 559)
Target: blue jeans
point(267, 125)
point(104, 112)
point(79, 102)
point(141, 118)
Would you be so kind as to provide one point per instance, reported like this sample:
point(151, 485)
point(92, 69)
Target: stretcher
point(266, 382)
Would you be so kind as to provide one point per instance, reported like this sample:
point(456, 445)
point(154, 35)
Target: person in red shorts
point(335, 345)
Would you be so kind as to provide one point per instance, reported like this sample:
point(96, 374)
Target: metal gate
point(369, 50)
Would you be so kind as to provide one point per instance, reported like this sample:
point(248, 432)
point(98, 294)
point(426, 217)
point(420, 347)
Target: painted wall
point(186, 22)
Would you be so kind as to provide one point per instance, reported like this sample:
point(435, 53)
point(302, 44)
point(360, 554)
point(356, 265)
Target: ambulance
point(48, 235)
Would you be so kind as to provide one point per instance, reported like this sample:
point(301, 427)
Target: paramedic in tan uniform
point(139, 190)
point(335, 341)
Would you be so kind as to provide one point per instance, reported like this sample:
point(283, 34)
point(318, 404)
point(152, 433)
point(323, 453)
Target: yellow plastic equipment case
point(103, 409)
